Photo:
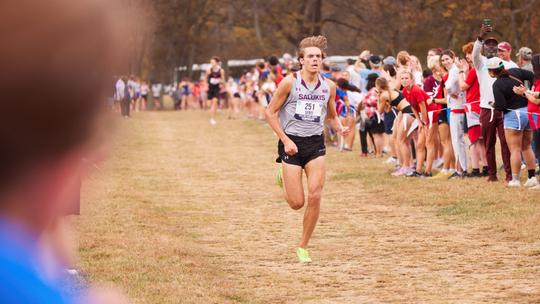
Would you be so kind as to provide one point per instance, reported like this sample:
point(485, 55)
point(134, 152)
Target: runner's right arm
point(272, 113)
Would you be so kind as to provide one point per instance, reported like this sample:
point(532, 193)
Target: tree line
point(169, 33)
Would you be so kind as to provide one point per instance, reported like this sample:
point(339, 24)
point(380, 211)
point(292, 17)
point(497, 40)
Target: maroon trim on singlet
point(316, 87)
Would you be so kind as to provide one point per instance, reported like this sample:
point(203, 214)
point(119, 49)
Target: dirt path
point(188, 213)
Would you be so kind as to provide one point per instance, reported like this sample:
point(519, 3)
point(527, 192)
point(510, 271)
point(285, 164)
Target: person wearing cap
point(524, 57)
point(504, 51)
point(375, 62)
point(389, 60)
point(491, 120)
point(517, 129)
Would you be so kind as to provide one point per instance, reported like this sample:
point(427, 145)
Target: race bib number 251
point(308, 111)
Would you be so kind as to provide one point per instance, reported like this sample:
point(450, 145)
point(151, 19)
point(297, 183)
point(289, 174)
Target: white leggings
point(457, 133)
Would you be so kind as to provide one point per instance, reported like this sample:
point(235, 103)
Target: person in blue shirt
point(375, 63)
point(53, 80)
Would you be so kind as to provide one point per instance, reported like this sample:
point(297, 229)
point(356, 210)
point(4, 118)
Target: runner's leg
point(293, 190)
point(316, 172)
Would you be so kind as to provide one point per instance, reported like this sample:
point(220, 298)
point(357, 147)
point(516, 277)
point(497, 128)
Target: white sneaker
point(212, 121)
point(537, 187)
point(523, 167)
point(514, 184)
point(391, 160)
point(531, 182)
point(438, 163)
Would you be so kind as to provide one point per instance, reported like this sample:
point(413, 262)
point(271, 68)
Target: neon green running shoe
point(303, 255)
point(279, 177)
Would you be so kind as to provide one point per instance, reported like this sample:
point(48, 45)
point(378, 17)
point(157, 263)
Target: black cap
point(491, 40)
point(375, 59)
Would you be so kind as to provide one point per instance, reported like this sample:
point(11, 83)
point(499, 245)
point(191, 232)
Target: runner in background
point(144, 95)
point(216, 79)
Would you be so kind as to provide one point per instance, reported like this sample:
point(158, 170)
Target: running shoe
point(213, 121)
point(303, 256)
point(414, 174)
point(531, 182)
point(391, 160)
point(402, 171)
point(425, 175)
point(279, 177)
point(457, 175)
point(474, 174)
point(442, 175)
point(537, 187)
point(514, 183)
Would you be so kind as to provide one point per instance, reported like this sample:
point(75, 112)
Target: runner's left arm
point(331, 114)
point(222, 72)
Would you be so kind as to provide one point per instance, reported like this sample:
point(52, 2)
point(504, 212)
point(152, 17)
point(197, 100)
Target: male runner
point(216, 78)
point(297, 114)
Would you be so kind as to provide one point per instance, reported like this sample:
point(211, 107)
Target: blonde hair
point(418, 64)
point(433, 61)
point(319, 42)
point(359, 64)
point(407, 71)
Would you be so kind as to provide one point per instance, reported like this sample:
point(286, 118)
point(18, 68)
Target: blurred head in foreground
point(56, 61)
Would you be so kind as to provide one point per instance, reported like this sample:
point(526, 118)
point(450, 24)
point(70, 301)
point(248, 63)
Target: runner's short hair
point(216, 58)
point(313, 41)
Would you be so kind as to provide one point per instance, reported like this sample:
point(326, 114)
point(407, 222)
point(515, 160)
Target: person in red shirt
point(417, 98)
point(275, 69)
point(468, 81)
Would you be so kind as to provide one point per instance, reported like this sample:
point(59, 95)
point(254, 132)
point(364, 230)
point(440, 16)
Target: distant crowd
point(446, 116)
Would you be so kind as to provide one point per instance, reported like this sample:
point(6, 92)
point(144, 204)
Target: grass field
point(183, 212)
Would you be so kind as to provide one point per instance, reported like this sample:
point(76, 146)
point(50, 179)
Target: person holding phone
point(491, 120)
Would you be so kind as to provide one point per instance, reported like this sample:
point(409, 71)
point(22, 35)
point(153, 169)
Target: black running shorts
point(375, 126)
point(213, 92)
point(309, 148)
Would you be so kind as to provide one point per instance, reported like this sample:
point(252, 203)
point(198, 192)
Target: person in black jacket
point(516, 123)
